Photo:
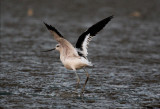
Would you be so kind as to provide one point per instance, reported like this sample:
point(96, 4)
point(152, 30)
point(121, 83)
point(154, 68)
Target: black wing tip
point(93, 30)
point(110, 17)
point(49, 27)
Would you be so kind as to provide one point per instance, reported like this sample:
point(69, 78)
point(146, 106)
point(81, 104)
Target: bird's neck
point(62, 55)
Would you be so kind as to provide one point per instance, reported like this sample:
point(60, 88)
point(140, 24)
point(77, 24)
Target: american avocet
point(74, 58)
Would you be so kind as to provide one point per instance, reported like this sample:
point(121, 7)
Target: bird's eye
point(57, 45)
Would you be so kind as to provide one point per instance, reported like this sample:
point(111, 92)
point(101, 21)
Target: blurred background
point(125, 54)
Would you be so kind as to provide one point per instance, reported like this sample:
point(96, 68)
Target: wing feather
point(68, 48)
point(86, 37)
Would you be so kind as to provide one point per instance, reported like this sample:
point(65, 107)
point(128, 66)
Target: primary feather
point(68, 49)
point(85, 38)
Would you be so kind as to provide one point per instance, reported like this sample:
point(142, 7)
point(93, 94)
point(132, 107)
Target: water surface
point(125, 54)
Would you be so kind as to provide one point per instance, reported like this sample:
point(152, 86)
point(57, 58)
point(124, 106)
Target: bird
point(75, 57)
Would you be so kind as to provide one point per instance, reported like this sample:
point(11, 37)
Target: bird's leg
point(85, 81)
point(78, 80)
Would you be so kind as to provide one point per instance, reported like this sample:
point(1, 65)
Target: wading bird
point(74, 58)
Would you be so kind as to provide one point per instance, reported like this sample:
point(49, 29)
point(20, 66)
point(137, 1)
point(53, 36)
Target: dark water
point(126, 54)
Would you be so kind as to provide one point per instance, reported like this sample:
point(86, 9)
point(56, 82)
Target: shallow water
point(125, 54)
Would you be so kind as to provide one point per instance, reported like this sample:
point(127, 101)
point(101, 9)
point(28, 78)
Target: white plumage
point(74, 58)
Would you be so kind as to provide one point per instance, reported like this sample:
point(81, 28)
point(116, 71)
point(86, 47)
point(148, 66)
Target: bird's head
point(58, 46)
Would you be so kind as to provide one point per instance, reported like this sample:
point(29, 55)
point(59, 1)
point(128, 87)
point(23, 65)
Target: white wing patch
point(85, 44)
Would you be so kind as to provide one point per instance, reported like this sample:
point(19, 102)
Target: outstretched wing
point(68, 49)
point(84, 39)
point(54, 32)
